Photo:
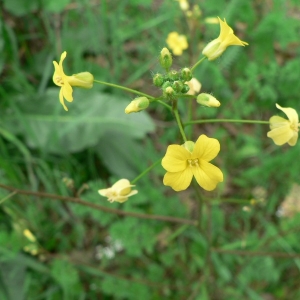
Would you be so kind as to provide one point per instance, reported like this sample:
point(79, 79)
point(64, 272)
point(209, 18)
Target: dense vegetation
point(246, 245)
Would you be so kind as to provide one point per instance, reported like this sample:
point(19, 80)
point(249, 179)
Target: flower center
point(193, 162)
point(59, 80)
point(294, 127)
point(111, 195)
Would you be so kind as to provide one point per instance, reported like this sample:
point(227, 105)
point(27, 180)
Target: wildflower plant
point(184, 181)
point(188, 159)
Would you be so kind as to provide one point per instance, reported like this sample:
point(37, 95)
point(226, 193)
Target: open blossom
point(177, 43)
point(83, 79)
point(283, 130)
point(192, 159)
point(119, 192)
point(215, 48)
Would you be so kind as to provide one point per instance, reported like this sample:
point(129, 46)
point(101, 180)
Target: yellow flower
point(192, 159)
point(282, 130)
point(177, 42)
point(119, 192)
point(83, 79)
point(215, 48)
point(195, 86)
point(184, 4)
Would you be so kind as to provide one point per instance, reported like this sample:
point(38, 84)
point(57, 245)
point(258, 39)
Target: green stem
point(151, 98)
point(164, 104)
point(198, 63)
point(145, 172)
point(124, 88)
point(178, 120)
point(226, 121)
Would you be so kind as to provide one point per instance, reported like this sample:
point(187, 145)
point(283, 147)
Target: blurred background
point(247, 244)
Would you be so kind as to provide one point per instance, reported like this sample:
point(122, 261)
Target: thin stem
point(124, 88)
point(256, 253)
point(226, 121)
point(164, 104)
point(198, 63)
point(151, 98)
point(7, 197)
point(145, 172)
point(100, 207)
point(178, 120)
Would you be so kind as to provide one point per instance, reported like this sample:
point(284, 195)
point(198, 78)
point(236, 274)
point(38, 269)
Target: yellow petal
point(175, 159)
point(178, 181)
point(104, 192)
point(120, 199)
point(291, 114)
point(206, 148)
point(225, 30)
point(62, 57)
point(208, 175)
point(281, 135)
point(61, 99)
point(227, 36)
point(121, 184)
point(57, 76)
point(277, 121)
point(293, 140)
point(67, 92)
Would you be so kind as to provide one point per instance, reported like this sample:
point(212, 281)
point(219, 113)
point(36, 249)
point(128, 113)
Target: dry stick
point(100, 207)
point(257, 253)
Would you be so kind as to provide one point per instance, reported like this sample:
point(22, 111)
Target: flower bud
point(185, 89)
point(158, 79)
point(173, 75)
point(166, 84)
point(177, 86)
point(186, 74)
point(169, 92)
point(137, 105)
point(83, 80)
point(189, 146)
point(208, 100)
point(165, 58)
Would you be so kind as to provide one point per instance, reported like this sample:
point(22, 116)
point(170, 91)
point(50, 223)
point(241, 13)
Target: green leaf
point(67, 277)
point(20, 8)
point(55, 5)
point(90, 117)
point(12, 275)
point(134, 234)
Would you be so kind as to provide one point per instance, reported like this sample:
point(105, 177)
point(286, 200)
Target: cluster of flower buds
point(173, 82)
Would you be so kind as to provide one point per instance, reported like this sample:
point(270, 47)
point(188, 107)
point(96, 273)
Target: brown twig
point(100, 207)
point(257, 253)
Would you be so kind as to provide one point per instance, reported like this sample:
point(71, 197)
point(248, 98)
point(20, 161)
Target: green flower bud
point(208, 100)
point(186, 74)
point(166, 84)
point(158, 79)
point(137, 104)
point(169, 92)
point(185, 89)
point(173, 75)
point(83, 80)
point(189, 146)
point(165, 58)
point(177, 86)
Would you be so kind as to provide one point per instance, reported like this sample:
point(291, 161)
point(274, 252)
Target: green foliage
point(84, 253)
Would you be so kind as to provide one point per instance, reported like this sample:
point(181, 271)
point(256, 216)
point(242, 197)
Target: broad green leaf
point(47, 126)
